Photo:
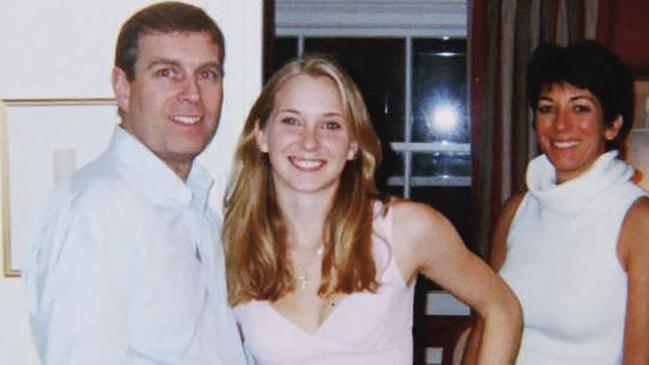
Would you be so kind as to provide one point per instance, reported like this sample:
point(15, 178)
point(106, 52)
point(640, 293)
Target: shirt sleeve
point(77, 297)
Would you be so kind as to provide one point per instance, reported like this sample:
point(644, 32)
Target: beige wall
point(64, 49)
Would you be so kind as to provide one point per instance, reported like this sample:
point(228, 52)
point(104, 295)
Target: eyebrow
point(578, 97)
point(169, 62)
point(162, 62)
point(333, 114)
point(574, 98)
point(327, 114)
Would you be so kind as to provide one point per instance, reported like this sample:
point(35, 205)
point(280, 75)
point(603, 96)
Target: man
point(125, 263)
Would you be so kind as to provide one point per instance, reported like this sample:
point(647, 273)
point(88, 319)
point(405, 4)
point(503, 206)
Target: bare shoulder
point(640, 208)
point(637, 217)
point(511, 206)
point(506, 216)
point(422, 237)
point(507, 213)
point(633, 248)
point(634, 236)
point(498, 251)
point(419, 225)
point(413, 218)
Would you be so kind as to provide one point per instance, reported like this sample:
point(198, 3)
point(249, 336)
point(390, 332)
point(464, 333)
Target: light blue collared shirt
point(125, 266)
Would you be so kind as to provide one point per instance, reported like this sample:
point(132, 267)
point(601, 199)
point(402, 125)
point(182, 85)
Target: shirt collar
point(152, 179)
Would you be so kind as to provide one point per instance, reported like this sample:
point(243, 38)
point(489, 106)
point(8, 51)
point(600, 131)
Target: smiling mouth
point(306, 163)
point(186, 119)
point(565, 144)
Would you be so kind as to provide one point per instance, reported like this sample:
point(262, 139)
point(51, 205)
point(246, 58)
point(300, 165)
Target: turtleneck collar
point(576, 194)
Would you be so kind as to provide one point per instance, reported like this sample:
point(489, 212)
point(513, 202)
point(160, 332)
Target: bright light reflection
point(444, 118)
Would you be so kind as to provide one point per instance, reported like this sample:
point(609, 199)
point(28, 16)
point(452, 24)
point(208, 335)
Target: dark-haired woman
point(575, 247)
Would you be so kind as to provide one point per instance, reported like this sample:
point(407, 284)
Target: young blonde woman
point(321, 270)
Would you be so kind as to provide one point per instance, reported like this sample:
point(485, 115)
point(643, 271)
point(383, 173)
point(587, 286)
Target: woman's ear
point(614, 129)
point(260, 137)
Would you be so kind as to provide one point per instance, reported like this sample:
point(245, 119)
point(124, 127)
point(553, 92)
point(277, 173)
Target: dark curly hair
point(585, 65)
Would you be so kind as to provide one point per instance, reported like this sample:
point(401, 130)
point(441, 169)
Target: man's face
point(173, 104)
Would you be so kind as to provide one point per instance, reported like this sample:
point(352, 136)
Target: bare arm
point(497, 257)
point(429, 244)
point(634, 254)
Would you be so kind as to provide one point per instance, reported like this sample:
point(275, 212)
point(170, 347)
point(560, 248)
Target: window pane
point(284, 49)
point(377, 66)
point(393, 190)
point(439, 91)
point(453, 202)
point(389, 175)
point(441, 164)
point(393, 181)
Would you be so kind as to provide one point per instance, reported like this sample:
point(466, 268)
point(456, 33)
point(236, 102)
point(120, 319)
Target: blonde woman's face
point(307, 137)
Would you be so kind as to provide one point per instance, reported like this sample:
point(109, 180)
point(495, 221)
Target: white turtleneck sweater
point(562, 262)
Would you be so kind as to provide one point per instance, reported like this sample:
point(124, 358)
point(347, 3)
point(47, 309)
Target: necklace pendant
point(303, 280)
point(331, 301)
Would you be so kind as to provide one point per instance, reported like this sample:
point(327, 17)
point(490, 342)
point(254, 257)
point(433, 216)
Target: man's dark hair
point(165, 17)
point(585, 65)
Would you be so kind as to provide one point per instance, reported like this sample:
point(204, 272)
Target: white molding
point(241, 22)
point(429, 18)
point(418, 181)
point(464, 148)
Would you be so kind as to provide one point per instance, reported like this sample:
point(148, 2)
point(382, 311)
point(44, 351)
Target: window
point(413, 79)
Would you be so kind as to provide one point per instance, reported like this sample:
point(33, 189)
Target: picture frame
point(41, 142)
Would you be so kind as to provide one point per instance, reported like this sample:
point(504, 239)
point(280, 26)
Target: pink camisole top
point(364, 328)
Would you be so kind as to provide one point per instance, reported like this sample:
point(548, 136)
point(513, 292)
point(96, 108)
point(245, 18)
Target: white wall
point(54, 49)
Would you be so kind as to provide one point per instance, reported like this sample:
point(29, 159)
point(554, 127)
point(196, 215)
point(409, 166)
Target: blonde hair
point(254, 232)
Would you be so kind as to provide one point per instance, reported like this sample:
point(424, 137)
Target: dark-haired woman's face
point(570, 129)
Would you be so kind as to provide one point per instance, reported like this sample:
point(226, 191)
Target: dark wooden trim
point(268, 49)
